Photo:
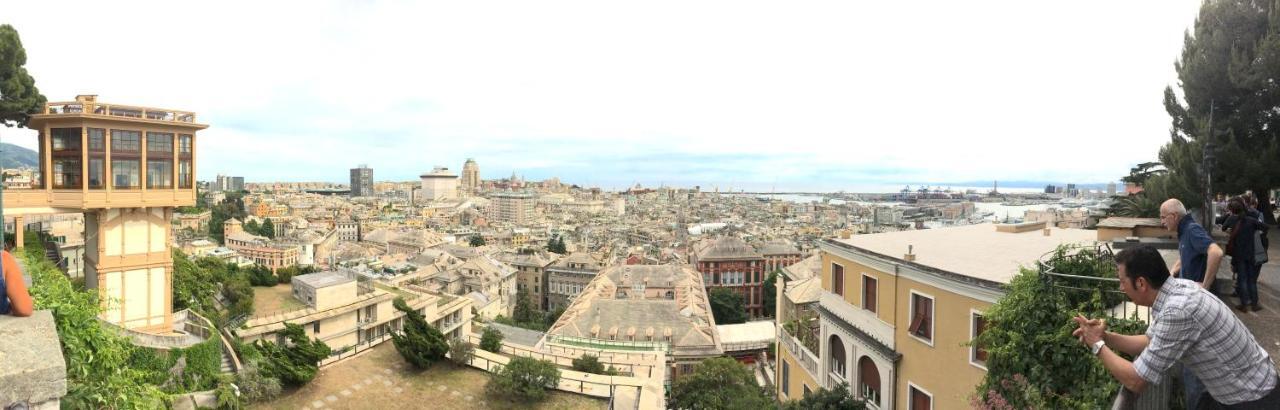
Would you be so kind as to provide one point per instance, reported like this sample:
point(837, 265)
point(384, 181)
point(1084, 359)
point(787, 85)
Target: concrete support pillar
point(18, 228)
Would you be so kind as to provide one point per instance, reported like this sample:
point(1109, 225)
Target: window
point(159, 143)
point(125, 173)
point(921, 317)
point(837, 279)
point(184, 144)
point(315, 327)
point(65, 139)
point(66, 173)
point(807, 390)
point(869, 380)
point(836, 347)
point(918, 399)
point(160, 173)
point(123, 141)
point(977, 325)
point(97, 139)
point(786, 378)
point(869, 293)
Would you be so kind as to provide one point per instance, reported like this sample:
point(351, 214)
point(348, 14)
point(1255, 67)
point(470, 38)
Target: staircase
point(226, 363)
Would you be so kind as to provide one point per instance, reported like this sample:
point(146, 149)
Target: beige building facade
point(125, 168)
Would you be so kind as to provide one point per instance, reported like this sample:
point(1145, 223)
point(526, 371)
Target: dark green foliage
point(100, 371)
point(524, 310)
point(718, 383)
point(204, 361)
point(524, 379)
point(491, 340)
point(252, 227)
point(268, 229)
point(589, 363)
point(460, 351)
point(1229, 62)
point(838, 398)
point(535, 319)
point(727, 306)
point(296, 362)
point(477, 240)
point(196, 282)
point(21, 97)
point(1034, 316)
point(770, 294)
point(261, 276)
point(556, 245)
point(420, 343)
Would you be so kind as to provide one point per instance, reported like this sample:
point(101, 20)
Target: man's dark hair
point(1143, 261)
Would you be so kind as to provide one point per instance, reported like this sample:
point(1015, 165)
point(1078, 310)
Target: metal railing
point(348, 352)
point(114, 110)
point(1108, 287)
point(618, 393)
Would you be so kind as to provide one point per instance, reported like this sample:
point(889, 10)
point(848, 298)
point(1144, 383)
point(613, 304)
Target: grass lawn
point(275, 299)
point(405, 295)
point(380, 379)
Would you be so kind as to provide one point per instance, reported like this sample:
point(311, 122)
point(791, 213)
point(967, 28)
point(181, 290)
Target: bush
point(255, 386)
point(204, 363)
point(1034, 316)
point(261, 276)
point(491, 340)
point(589, 363)
point(524, 379)
point(839, 397)
point(99, 370)
point(460, 351)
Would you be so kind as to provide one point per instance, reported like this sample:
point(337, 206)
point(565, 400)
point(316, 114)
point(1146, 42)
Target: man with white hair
point(1198, 255)
point(1198, 259)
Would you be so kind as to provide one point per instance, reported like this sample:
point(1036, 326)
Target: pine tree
point(420, 343)
point(21, 97)
point(268, 229)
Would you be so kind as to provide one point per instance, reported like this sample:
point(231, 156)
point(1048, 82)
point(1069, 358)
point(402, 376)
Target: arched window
point(836, 347)
point(869, 380)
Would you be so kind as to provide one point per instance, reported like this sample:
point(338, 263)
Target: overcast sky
point(802, 95)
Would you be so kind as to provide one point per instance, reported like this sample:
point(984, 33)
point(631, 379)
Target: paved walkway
point(1265, 323)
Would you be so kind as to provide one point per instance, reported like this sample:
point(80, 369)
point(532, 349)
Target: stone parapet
point(32, 369)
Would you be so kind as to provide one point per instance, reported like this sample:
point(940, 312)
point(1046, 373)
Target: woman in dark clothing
point(1240, 248)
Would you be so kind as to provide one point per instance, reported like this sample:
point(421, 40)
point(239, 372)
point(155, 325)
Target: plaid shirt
point(1193, 327)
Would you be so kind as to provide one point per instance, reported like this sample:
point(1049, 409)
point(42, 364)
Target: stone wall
point(32, 369)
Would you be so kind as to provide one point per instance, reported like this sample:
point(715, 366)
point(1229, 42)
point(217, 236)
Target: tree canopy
point(491, 340)
point(19, 97)
point(837, 398)
point(1226, 72)
point(524, 378)
point(419, 343)
point(296, 362)
point(771, 294)
point(718, 383)
point(476, 240)
point(727, 306)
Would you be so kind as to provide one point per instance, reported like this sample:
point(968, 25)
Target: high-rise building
point(125, 168)
point(512, 207)
point(439, 184)
point(470, 177)
point(228, 184)
point(362, 181)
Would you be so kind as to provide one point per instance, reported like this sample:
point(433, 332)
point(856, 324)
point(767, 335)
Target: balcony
point(806, 357)
point(863, 320)
point(89, 107)
point(39, 200)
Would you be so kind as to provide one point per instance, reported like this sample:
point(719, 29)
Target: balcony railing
point(113, 110)
point(807, 358)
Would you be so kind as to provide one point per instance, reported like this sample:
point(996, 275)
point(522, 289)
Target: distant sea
point(997, 210)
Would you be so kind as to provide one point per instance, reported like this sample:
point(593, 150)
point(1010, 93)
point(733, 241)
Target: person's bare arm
point(1176, 269)
point(1211, 271)
point(1122, 370)
point(1132, 345)
point(19, 300)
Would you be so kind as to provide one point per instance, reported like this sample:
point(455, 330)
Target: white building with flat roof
point(439, 184)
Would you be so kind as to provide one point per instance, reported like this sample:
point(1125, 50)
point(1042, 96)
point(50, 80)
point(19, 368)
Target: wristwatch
point(1097, 347)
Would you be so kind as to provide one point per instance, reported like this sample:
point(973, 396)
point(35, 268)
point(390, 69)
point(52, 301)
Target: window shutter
point(980, 325)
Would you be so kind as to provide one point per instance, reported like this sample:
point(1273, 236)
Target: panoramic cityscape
point(352, 205)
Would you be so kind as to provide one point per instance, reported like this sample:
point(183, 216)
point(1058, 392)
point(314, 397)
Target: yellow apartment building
point(896, 311)
point(125, 168)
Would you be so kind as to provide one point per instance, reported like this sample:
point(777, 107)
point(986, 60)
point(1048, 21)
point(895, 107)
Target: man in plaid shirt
point(1189, 326)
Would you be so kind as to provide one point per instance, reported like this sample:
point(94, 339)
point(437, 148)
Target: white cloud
point(860, 91)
